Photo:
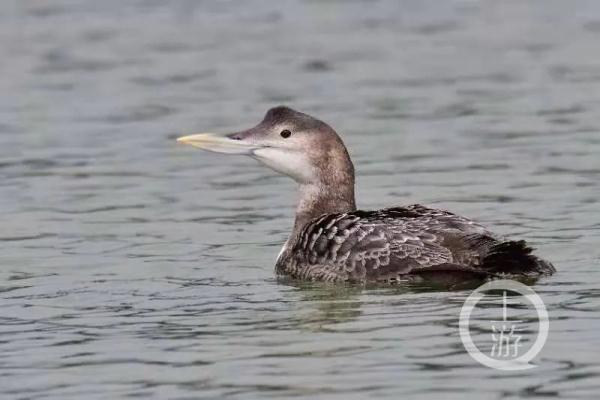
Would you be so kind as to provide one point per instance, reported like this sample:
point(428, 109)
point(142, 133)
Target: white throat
point(294, 164)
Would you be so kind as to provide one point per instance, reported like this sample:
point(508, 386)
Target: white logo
point(505, 332)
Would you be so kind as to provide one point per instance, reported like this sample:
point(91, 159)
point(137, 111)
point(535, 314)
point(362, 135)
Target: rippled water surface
point(133, 267)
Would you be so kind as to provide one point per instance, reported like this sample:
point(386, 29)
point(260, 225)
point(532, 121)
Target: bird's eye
point(285, 133)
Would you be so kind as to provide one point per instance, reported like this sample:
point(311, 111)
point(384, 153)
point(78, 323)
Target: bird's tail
point(514, 257)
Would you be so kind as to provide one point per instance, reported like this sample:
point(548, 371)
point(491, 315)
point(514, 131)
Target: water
point(134, 267)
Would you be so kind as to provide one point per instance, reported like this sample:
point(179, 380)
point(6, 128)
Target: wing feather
point(388, 243)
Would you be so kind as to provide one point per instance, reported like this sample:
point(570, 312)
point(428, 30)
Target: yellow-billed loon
point(333, 241)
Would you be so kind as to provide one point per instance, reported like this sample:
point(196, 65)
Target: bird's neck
point(316, 199)
point(332, 188)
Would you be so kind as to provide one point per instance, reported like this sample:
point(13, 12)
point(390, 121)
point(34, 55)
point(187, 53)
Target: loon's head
point(290, 142)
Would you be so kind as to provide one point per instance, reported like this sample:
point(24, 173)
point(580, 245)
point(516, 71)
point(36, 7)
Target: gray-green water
point(133, 267)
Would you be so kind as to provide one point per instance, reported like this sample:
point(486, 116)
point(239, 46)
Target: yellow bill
point(218, 143)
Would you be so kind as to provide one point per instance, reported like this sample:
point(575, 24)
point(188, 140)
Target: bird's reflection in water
point(320, 305)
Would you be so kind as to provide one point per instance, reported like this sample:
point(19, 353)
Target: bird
point(333, 241)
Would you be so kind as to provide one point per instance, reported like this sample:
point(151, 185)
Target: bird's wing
point(377, 245)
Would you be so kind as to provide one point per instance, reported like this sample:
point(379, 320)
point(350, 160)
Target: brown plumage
point(333, 241)
point(403, 243)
